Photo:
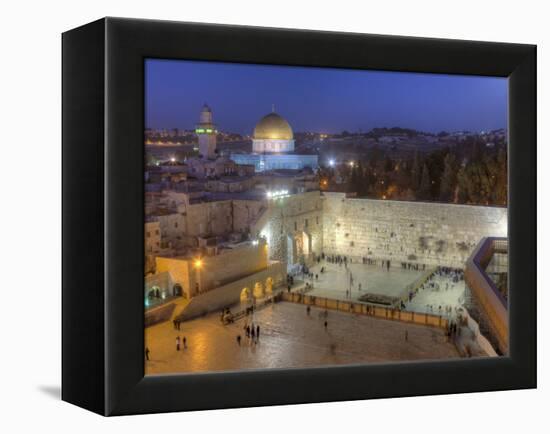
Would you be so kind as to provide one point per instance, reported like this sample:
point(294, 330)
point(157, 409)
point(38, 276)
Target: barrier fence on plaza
point(366, 309)
point(413, 287)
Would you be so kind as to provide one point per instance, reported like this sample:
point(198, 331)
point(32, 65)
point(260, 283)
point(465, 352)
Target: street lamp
point(198, 266)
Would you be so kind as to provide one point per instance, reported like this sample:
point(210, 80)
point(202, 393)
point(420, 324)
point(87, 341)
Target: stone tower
point(206, 132)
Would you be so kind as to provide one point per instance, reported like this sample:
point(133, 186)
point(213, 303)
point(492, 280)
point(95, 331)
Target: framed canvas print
point(262, 216)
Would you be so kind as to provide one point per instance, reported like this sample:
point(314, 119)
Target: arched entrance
point(269, 285)
point(306, 244)
point(177, 290)
point(290, 246)
point(245, 294)
point(258, 290)
point(154, 292)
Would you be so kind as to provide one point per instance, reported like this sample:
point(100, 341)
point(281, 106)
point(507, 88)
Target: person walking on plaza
point(184, 342)
point(258, 332)
point(177, 343)
point(308, 309)
point(326, 325)
point(147, 353)
point(239, 340)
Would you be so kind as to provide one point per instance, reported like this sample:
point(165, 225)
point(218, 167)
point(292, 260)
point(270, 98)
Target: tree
point(362, 180)
point(388, 164)
point(501, 188)
point(448, 179)
point(415, 172)
point(424, 192)
point(354, 181)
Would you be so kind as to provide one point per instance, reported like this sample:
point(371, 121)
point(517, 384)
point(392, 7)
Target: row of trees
point(474, 175)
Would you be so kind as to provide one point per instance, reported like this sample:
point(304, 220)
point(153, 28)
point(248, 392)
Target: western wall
point(400, 231)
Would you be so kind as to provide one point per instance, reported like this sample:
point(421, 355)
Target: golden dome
point(273, 126)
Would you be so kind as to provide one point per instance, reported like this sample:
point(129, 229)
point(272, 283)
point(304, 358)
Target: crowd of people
point(443, 279)
point(413, 266)
point(251, 332)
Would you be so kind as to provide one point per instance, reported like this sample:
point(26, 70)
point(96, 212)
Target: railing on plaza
point(232, 317)
point(366, 309)
point(415, 285)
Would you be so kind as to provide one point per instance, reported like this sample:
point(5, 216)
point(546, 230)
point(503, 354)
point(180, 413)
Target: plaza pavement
point(289, 338)
point(375, 279)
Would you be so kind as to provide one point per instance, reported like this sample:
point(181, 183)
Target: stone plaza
point(290, 338)
point(335, 280)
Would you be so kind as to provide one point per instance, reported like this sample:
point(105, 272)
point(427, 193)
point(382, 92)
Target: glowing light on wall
point(265, 233)
point(276, 194)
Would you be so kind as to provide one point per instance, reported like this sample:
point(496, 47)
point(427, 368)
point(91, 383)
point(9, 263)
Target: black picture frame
point(103, 202)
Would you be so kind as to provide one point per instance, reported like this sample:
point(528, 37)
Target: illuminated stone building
point(273, 147)
point(206, 132)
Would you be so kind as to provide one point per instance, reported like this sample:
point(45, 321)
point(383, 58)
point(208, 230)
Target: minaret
point(206, 132)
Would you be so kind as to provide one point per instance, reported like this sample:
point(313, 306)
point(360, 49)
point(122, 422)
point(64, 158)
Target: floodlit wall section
point(198, 276)
point(416, 232)
point(231, 293)
point(293, 227)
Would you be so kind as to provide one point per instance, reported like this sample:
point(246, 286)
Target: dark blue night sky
point(320, 99)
